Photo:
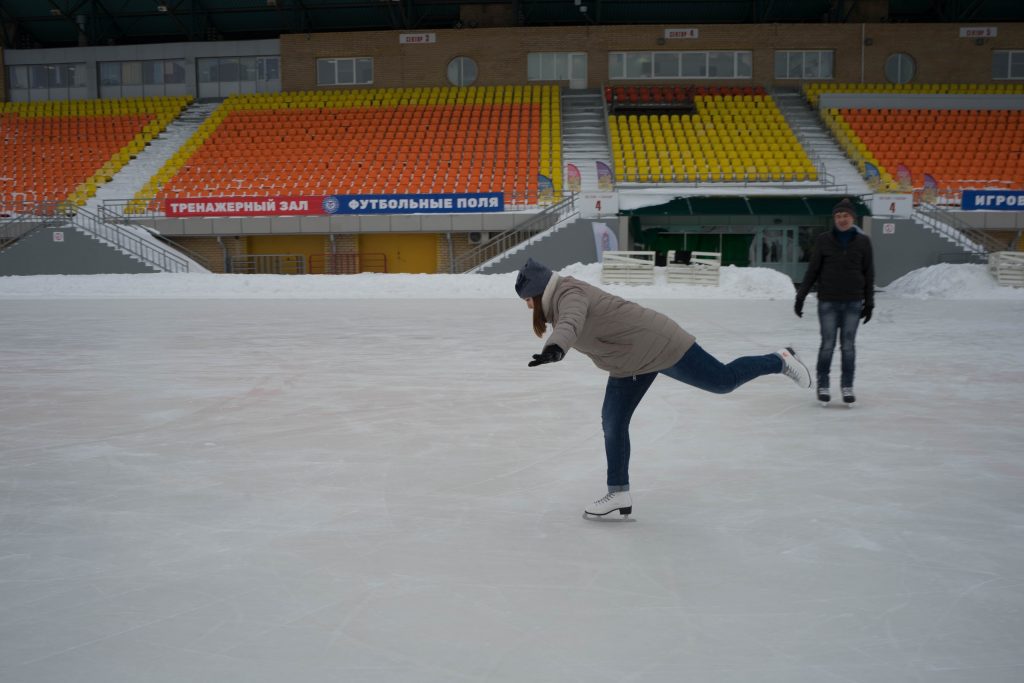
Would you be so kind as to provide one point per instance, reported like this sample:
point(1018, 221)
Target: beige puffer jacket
point(620, 336)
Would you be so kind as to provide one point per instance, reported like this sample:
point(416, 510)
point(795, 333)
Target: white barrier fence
point(1007, 267)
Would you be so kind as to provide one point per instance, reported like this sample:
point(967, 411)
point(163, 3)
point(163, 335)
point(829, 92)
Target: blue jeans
point(840, 317)
point(698, 369)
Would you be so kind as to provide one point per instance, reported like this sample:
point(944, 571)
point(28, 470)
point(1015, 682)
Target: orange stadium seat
point(62, 151)
point(960, 149)
point(371, 142)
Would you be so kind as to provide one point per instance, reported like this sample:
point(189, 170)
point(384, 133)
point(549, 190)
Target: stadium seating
point(372, 141)
point(733, 136)
point(57, 151)
point(959, 149)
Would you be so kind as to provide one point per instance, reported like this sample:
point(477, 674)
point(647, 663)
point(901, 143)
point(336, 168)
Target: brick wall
point(211, 250)
point(501, 53)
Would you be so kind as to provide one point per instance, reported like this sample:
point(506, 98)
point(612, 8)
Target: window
point(1007, 65)
point(131, 73)
point(549, 66)
point(899, 68)
point(462, 71)
point(268, 68)
point(677, 65)
point(17, 77)
point(813, 64)
point(40, 82)
point(142, 77)
point(347, 71)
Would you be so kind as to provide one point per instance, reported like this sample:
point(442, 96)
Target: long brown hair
point(540, 324)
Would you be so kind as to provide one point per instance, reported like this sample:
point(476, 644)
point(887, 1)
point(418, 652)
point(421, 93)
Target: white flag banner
point(604, 239)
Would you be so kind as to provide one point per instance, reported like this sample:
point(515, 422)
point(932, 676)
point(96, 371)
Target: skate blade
point(609, 518)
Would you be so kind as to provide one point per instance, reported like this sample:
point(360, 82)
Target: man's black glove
point(798, 307)
point(552, 353)
point(865, 312)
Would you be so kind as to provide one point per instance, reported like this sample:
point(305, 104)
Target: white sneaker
point(794, 368)
point(614, 500)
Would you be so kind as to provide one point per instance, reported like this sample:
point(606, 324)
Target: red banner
point(244, 206)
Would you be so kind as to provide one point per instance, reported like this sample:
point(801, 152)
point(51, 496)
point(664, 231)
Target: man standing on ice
point(842, 264)
point(633, 344)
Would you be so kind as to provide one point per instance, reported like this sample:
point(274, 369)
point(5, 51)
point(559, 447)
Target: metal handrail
point(31, 216)
point(548, 217)
point(156, 255)
point(109, 216)
point(947, 221)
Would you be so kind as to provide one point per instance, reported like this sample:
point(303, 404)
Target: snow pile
point(951, 281)
point(736, 283)
point(944, 281)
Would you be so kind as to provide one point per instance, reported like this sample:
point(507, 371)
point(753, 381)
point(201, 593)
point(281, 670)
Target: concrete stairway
point(819, 144)
point(584, 135)
point(134, 175)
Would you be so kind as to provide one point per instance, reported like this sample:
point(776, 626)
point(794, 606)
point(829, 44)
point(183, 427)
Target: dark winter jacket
point(841, 273)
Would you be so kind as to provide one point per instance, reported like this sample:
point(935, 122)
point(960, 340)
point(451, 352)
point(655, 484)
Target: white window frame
point(44, 82)
point(689, 64)
point(806, 73)
point(903, 62)
point(356, 66)
point(462, 71)
point(550, 66)
point(1008, 72)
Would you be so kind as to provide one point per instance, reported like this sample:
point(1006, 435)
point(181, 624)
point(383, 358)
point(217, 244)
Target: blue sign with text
point(471, 202)
point(992, 200)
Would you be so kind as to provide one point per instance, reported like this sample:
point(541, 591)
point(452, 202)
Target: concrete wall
point(906, 246)
point(572, 244)
point(290, 225)
point(65, 251)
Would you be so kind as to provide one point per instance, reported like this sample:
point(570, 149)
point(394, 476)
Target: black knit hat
point(844, 206)
point(533, 278)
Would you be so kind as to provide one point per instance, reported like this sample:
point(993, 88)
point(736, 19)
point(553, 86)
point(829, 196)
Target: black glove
point(552, 353)
point(865, 313)
point(798, 307)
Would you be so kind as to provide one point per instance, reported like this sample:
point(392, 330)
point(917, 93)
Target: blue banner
point(992, 200)
point(470, 202)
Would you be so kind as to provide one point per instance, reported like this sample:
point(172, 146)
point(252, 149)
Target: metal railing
point(28, 217)
point(124, 237)
point(970, 238)
point(268, 264)
point(114, 214)
point(546, 218)
point(31, 217)
point(348, 263)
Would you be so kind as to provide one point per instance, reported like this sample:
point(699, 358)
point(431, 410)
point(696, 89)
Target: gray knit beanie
point(533, 278)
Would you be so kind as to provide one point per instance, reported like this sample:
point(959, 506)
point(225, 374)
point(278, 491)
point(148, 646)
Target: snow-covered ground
point(944, 281)
point(356, 478)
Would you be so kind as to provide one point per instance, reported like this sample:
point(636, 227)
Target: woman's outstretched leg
point(700, 369)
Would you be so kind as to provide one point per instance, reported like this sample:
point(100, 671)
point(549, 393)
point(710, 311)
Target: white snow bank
point(736, 283)
point(951, 281)
point(941, 281)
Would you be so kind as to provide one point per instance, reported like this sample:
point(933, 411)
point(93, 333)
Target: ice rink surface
point(303, 490)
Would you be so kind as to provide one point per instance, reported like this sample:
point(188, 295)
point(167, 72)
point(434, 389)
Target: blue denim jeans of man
point(838, 318)
point(697, 368)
